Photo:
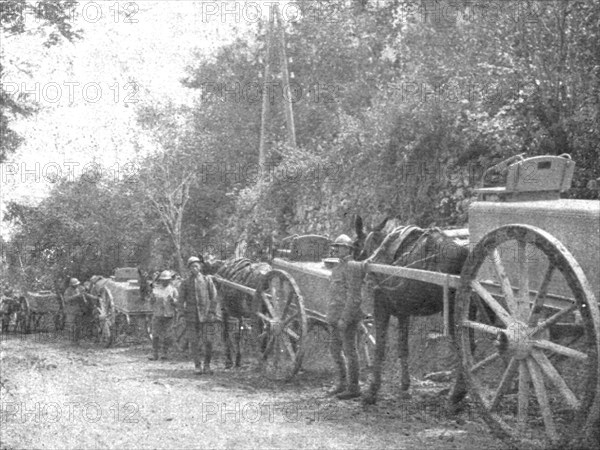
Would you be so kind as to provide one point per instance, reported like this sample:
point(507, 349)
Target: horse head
point(366, 243)
point(211, 264)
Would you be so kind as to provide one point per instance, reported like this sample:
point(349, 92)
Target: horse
point(425, 249)
point(366, 243)
point(101, 308)
point(236, 305)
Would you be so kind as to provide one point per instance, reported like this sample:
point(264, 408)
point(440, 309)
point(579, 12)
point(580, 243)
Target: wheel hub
point(516, 338)
point(276, 327)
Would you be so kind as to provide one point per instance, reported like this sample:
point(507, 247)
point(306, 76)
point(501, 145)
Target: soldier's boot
point(342, 383)
point(340, 387)
point(155, 345)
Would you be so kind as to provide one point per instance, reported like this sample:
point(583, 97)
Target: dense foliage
point(398, 110)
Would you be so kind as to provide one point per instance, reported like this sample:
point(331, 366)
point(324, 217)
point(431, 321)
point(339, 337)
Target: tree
point(52, 18)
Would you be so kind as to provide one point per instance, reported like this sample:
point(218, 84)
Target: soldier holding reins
point(343, 316)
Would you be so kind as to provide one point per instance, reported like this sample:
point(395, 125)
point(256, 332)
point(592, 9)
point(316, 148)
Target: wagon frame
point(34, 307)
point(286, 322)
point(131, 313)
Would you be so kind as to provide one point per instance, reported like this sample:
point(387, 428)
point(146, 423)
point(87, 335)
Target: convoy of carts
point(526, 320)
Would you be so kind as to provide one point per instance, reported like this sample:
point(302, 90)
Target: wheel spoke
point(264, 318)
point(556, 378)
point(560, 349)
point(292, 334)
point(522, 300)
point(481, 308)
point(269, 346)
point(491, 302)
point(275, 293)
point(288, 347)
point(540, 391)
point(287, 291)
point(553, 319)
point(504, 281)
point(523, 401)
point(489, 329)
point(484, 362)
point(269, 305)
point(286, 307)
point(538, 302)
point(507, 377)
point(289, 319)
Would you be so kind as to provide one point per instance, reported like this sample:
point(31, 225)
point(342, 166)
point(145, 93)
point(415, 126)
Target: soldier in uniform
point(202, 313)
point(344, 315)
point(164, 302)
point(75, 307)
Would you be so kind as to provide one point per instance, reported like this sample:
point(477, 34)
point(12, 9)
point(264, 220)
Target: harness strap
point(405, 232)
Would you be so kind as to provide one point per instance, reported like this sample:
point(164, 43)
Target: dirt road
point(56, 395)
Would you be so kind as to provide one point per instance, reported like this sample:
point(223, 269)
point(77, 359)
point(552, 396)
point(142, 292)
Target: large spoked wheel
point(529, 356)
point(283, 325)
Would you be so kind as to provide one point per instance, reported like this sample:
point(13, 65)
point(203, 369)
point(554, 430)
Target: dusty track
point(56, 395)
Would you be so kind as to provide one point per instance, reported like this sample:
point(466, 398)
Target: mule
point(237, 307)
point(413, 247)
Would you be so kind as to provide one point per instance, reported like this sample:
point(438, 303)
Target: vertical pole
point(287, 94)
point(265, 99)
point(446, 288)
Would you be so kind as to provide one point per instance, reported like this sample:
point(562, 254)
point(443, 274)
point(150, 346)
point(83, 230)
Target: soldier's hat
point(194, 259)
point(165, 275)
point(342, 240)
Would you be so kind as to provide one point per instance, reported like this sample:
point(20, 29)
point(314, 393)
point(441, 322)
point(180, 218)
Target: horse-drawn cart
point(525, 318)
point(132, 312)
point(289, 303)
point(39, 310)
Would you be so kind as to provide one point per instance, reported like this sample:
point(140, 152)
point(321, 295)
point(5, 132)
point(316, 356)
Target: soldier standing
point(343, 316)
point(75, 307)
point(164, 302)
point(202, 313)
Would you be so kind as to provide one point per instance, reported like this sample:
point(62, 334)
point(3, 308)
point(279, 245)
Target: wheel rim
point(283, 325)
point(532, 382)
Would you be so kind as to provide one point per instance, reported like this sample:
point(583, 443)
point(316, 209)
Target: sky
point(87, 92)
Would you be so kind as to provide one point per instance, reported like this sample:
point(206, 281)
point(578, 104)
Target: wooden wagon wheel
point(531, 383)
point(283, 325)
point(317, 356)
